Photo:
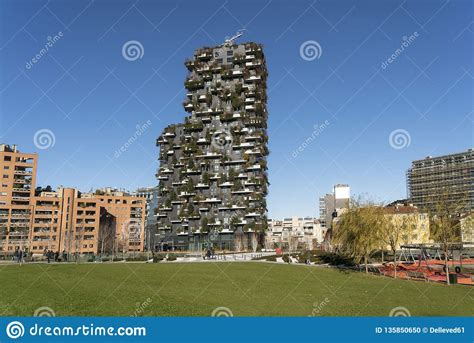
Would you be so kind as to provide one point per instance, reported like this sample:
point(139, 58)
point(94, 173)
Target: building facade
point(18, 181)
point(450, 176)
point(151, 197)
point(333, 204)
point(413, 223)
point(294, 233)
point(212, 175)
point(64, 220)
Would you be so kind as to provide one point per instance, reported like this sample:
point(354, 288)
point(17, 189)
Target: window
point(230, 53)
point(6, 167)
point(7, 158)
point(5, 176)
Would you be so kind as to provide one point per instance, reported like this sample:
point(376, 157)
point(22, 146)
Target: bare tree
point(292, 242)
point(254, 241)
point(106, 233)
point(446, 211)
point(395, 229)
point(245, 242)
point(78, 243)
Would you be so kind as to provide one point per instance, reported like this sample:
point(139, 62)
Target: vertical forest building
point(213, 169)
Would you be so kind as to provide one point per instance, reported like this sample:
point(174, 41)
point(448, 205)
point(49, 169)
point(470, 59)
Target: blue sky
point(92, 99)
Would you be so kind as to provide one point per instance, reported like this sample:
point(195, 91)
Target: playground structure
point(427, 262)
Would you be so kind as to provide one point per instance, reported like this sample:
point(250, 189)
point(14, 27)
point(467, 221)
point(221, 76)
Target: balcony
point(253, 64)
point(22, 190)
point(20, 198)
point(226, 184)
point(253, 78)
point(249, 107)
point(194, 85)
point(23, 172)
point(243, 191)
point(210, 155)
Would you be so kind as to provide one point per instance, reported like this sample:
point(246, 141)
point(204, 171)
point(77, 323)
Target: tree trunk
point(395, 264)
point(366, 265)
point(382, 255)
point(446, 267)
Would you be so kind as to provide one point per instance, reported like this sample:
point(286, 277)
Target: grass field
point(196, 289)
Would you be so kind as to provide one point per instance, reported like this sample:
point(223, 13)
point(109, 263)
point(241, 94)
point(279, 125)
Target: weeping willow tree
point(358, 232)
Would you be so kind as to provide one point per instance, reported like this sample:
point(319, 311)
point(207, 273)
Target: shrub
point(158, 258)
point(171, 258)
point(137, 258)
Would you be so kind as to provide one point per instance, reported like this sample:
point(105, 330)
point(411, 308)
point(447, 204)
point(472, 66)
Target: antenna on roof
point(230, 41)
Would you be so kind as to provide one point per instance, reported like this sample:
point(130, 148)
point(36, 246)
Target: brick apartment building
point(63, 220)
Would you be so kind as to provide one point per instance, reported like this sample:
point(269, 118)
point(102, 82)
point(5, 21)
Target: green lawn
point(196, 289)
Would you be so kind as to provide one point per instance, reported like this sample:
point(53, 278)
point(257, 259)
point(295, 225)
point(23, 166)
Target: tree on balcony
point(204, 224)
point(236, 101)
point(205, 178)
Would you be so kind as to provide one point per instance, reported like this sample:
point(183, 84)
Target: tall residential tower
point(212, 175)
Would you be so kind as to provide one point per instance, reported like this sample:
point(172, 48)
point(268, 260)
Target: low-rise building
point(415, 224)
point(294, 233)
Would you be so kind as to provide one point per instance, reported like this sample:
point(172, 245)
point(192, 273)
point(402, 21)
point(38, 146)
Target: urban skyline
point(379, 74)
